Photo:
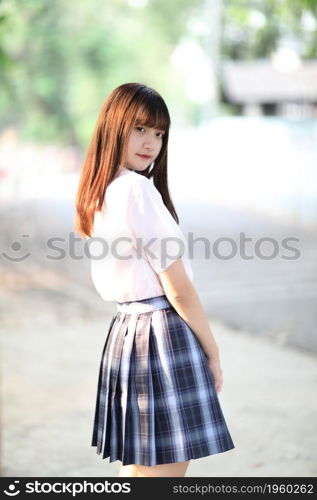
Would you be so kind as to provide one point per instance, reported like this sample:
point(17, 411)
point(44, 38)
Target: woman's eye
point(158, 133)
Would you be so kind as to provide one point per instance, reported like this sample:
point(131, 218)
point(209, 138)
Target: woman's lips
point(146, 157)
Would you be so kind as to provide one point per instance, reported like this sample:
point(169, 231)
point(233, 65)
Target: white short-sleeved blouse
point(134, 239)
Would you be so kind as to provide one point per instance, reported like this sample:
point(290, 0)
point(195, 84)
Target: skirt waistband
point(144, 305)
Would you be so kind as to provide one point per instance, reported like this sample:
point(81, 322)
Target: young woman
point(157, 405)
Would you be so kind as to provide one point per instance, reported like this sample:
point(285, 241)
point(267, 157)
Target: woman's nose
point(149, 143)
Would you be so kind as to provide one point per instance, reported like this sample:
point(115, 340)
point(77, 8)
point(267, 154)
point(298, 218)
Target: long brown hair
point(108, 147)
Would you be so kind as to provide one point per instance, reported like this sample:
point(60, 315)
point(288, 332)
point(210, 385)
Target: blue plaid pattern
point(156, 400)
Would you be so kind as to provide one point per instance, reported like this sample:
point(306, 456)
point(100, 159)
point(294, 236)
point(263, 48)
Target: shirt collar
point(124, 171)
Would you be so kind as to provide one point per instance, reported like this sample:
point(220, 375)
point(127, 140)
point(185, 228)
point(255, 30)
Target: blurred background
point(240, 81)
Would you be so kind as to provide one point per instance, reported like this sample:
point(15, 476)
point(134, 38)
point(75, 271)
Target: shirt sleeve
point(157, 236)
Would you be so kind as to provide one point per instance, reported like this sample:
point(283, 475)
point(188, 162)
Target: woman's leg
point(127, 471)
point(162, 470)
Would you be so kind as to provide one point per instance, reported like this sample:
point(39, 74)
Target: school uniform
point(156, 400)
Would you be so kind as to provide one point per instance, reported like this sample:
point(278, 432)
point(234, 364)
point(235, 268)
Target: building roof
point(261, 82)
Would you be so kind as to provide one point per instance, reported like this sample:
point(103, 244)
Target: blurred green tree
point(253, 29)
point(60, 59)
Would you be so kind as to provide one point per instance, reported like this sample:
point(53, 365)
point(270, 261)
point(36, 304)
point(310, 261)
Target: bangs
point(153, 114)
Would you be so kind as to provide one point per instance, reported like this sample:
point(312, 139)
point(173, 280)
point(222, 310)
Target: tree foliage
point(255, 28)
point(60, 59)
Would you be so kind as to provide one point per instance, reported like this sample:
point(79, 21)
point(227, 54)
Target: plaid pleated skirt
point(156, 399)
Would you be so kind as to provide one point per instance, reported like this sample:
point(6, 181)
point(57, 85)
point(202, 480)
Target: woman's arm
point(181, 293)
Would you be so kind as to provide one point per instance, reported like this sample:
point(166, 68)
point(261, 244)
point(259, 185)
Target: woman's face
point(144, 145)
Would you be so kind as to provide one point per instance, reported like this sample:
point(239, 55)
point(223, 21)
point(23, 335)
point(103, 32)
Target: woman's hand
point(215, 368)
